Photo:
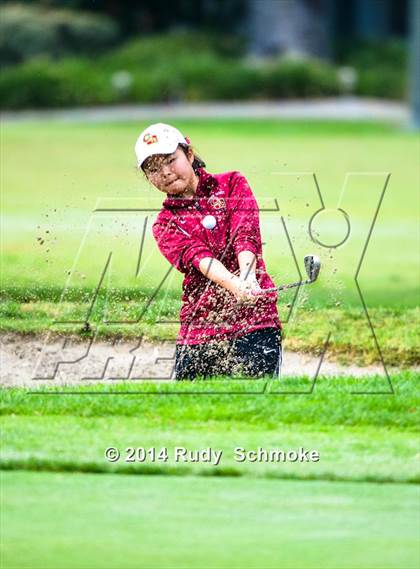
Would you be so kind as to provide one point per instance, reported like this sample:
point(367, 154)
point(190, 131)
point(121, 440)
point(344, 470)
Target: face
point(172, 173)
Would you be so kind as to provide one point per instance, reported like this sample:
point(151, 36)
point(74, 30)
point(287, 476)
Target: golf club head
point(312, 267)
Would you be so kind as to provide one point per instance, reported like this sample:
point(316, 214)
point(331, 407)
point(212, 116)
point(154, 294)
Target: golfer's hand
point(255, 289)
point(243, 290)
point(250, 280)
point(246, 291)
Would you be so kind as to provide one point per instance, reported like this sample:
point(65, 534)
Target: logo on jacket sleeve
point(217, 203)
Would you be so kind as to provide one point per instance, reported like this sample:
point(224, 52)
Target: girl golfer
point(208, 229)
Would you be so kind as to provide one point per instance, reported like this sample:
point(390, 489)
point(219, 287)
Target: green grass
point(69, 521)
point(73, 444)
point(360, 437)
point(332, 402)
point(331, 514)
point(58, 185)
point(306, 330)
point(90, 513)
point(52, 262)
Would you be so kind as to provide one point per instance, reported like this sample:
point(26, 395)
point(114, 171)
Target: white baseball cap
point(158, 138)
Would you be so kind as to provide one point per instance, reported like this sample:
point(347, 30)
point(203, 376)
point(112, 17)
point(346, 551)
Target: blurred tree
point(147, 16)
point(298, 27)
point(32, 30)
point(372, 18)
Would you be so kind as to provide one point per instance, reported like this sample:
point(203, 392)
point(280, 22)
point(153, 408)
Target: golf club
point(312, 268)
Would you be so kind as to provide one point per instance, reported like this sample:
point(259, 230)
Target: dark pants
point(255, 354)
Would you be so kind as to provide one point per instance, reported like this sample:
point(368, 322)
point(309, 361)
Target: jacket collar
point(206, 184)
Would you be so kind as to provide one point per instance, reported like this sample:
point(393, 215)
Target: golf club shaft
point(312, 267)
point(283, 287)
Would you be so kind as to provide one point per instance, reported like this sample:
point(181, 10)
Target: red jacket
point(209, 311)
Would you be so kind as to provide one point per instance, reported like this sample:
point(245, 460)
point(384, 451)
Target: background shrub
point(381, 67)
point(210, 78)
point(28, 31)
point(190, 67)
point(40, 84)
point(159, 49)
point(288, 78)
point(382, 82)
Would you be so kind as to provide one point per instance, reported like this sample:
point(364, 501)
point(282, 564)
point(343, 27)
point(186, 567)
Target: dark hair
point(197, 162)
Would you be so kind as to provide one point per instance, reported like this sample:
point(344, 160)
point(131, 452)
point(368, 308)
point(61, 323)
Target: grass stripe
point(70, 443)
point(148, 470)
point(69, 521)
point(331, 403)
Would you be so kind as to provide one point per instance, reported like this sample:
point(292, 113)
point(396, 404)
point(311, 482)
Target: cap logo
point(150, 138)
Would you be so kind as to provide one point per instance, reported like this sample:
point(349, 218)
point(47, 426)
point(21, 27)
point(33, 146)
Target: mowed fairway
point(69, 521)
point(54, 175)
point(66, 506)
